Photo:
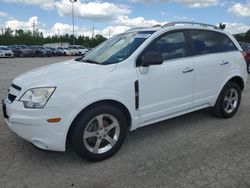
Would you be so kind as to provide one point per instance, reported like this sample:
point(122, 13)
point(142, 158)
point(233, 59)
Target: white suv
point(134, 79)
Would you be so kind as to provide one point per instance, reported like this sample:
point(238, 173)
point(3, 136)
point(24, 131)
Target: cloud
point(136, 22)
point(240, 10)
point(235, 28)
point(97, 11)
point(3, 14)
point(44, 4)
point(197, 4)
point(188, 3)
point(25, 25)
point(67, 29)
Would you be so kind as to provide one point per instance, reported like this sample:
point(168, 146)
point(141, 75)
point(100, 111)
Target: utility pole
point(109, 33)
point(33, 27)
point(58, 35)
point(93, 32)
point(73, 19)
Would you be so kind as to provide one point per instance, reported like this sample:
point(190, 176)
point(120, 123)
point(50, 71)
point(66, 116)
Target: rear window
point(204, 42)
point(226, 43)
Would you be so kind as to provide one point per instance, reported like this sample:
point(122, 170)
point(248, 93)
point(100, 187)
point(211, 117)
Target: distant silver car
point(64, 50)
point(6, 52)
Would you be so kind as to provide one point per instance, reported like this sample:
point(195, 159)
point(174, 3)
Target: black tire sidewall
point(228, 86)
point(82, 121)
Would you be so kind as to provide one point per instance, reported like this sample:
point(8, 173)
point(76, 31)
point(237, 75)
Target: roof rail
point(191, 23)
point(135, 28)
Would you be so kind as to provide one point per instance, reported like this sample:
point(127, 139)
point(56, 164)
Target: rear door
point(213, 57)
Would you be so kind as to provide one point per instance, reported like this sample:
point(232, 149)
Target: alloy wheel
point(101, 133)
point(231, 101)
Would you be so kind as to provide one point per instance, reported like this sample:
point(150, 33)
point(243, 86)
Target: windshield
point(4, 48)
point(117, 49)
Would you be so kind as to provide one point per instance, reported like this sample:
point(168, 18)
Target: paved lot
point(195, 150)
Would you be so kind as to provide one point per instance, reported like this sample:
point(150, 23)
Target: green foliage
point(243, 37)
point(9, 37)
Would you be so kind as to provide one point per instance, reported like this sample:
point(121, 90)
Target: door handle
point(225, 63)
point(187, 70)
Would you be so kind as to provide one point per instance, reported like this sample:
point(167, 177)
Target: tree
point(20, 36)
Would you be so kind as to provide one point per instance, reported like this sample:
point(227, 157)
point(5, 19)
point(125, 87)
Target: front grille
point(16, 87)
point(11, 97)
point(13, 92)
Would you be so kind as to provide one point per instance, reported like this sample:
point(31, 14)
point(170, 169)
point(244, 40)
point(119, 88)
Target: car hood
point(27, 49)
point(6, 51)
point(61, 73)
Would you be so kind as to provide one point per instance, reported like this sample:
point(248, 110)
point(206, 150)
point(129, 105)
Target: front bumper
point(32, 125)
point(6, 55)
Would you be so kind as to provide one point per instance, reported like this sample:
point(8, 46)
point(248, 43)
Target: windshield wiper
point(90, 61)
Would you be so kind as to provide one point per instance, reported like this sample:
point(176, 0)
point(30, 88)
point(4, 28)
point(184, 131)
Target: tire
point(21, 54)
point(92, 130)
point(228, 101)
point(248, 67)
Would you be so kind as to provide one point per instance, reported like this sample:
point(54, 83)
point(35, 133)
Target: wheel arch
point(238, 80)
point(116, 103)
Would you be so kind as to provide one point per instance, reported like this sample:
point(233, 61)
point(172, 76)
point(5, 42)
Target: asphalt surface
point(194, 150)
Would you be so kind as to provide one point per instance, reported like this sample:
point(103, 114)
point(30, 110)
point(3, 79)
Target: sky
point(108, 17)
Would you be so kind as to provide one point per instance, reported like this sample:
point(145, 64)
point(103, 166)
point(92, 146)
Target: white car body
point(82, 51)
point(6, 52)
point(65, 51)
point(79, 85)
point(73, 50)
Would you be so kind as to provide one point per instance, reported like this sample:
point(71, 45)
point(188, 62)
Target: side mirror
point(151, 58)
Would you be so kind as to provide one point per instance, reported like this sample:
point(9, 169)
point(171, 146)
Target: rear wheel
point(229, 101)
point(21, 54)
point(99, 132)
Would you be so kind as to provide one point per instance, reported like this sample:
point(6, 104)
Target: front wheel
point(99, 132)
point(228, 101)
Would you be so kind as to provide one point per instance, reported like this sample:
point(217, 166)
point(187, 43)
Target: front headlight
point(37, 97)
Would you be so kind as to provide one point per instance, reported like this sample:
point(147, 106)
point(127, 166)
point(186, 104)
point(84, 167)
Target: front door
point(166, 89)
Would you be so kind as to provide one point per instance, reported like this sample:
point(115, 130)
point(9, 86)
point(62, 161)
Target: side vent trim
point(136, 95)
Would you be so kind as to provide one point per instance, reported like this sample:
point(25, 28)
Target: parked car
point(64, 50)
point(55, 51)
point(6, 52)
point(41, 51)
point(73, 50)
point(22, 51)
point(132, 80)
point(82, 50)
point(246, 49)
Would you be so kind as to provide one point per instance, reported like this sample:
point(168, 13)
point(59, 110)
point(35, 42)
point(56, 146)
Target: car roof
point(178, 25)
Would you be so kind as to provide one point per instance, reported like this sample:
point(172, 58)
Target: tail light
point(244, 55)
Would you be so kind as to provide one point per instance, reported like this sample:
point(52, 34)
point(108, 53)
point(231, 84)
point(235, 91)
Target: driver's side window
point(170, 46)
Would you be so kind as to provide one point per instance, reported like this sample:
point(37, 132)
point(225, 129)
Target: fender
point(100, 95)
point(236, 73)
